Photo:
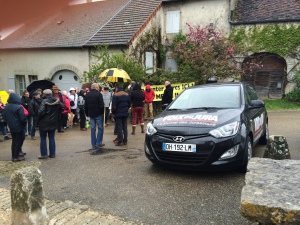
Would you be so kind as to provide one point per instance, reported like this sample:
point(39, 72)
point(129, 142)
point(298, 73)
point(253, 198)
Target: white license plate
point(179, 147)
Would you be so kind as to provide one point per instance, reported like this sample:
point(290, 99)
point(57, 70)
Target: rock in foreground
point(271, 194)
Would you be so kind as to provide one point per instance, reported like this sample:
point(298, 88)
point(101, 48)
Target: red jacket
point(149, 95)
point(67, 105)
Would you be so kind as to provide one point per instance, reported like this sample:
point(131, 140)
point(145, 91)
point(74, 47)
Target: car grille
point(182, 158)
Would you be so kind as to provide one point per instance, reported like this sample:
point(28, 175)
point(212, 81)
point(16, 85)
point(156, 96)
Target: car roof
point(220, 84)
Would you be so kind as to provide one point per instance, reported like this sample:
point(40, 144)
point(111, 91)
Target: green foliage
point(283, 40)
point(203, 53)
point(280, 104)
point(160, 76)
point(294, 95)
point(150, 41)
point(105, 61)
point(297, 78)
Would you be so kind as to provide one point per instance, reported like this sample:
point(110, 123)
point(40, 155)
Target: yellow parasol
point(115, 75)
point(4, 96)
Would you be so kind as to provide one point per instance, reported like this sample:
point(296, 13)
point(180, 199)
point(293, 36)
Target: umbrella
point(115, 75)
point(42, 84)
point(4, 96)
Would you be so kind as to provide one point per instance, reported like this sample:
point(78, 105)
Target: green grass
point(280, 104)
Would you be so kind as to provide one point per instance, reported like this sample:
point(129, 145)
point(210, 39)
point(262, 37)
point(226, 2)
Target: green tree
point(203, 53)
point(104, 61)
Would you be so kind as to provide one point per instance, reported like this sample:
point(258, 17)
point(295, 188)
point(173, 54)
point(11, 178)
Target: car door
point(255, 115)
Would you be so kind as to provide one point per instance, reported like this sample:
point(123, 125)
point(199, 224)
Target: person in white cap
point(73, 97)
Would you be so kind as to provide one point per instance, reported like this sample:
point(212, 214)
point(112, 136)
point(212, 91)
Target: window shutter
point(170, 63)
point(173, 22)
point(149, 63)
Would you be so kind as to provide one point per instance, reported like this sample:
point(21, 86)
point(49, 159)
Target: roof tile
point(112, 22)
point(253, 11)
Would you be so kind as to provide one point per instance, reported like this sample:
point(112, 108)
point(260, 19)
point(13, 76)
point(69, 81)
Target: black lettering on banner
point(159, 96)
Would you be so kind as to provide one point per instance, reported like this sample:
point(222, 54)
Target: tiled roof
point(259, 11)
point(90, 24)
point(124, 25)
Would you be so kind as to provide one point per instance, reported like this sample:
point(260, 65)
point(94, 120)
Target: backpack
point(80, 102)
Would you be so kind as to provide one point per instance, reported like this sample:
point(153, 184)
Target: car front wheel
point(248, 155)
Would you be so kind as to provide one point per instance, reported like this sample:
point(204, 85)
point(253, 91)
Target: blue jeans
point(43, 143)
point(99, 121)
point(28, 127)
point(3, 130)
point(33, 127)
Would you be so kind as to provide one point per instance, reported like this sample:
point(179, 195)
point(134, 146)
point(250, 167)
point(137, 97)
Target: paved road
point(122, 182)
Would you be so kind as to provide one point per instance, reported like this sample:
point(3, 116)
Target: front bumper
point(207, 155)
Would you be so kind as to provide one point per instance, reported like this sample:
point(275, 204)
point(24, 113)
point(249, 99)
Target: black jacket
point(167, 97)
point(25, 102)
point(137, 96)
point(94, 104)
point(48, 113)
point(14, 113)
point(120, 104)
point(34, 106)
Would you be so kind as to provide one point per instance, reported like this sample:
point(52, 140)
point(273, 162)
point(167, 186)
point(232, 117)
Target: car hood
point(194, 122)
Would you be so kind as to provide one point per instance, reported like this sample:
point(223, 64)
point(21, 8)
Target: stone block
point(27, 197)
point(271, 193)
point(277, 148)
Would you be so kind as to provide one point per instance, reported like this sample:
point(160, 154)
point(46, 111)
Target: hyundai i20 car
point(211, 127)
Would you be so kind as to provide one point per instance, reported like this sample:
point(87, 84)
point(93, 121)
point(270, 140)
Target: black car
point(208, 127)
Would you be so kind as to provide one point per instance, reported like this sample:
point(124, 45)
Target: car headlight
point(150, 130)
point(226, 130)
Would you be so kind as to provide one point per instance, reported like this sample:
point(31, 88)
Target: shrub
point(294, 95)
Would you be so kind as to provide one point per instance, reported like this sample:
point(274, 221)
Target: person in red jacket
point(148, 103)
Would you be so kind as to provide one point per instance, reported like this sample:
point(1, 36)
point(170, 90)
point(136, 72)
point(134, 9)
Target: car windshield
point(208, 97)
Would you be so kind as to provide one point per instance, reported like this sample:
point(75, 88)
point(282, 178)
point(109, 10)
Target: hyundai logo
point(178, 139)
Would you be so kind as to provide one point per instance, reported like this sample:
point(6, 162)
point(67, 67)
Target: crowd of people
point(52, 109)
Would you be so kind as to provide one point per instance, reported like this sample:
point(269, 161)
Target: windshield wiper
point(205, 108)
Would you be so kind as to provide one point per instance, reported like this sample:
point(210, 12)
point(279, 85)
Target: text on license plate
point(179, 147)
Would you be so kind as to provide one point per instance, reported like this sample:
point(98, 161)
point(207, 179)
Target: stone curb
point(67, 213)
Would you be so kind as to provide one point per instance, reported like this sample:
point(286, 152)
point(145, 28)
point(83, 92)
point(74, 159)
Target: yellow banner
point(177, 89)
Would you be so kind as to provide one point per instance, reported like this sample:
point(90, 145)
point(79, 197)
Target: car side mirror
point(257, 104)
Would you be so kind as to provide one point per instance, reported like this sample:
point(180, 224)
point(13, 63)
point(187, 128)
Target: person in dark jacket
point(33, 110)
point(167, 97)
point(47, 116)
point(58, 95)
point(17, 122)
point(94, 108)
point(81, 101)
point(3, 123)
point(137, 100)
point(120, 105)
point(25, 100)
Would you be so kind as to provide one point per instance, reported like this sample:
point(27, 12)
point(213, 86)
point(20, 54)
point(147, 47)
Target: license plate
point(179, 147)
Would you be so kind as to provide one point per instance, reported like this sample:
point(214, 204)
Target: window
point(251, 94)
point(172, 22)
point(20, 84)
point(149, 62)
point(170, 63)
point(32, 78)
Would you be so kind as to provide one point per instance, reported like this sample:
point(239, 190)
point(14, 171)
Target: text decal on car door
point(190, 119)
point(258, 126)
